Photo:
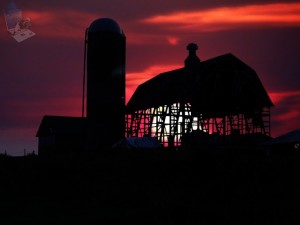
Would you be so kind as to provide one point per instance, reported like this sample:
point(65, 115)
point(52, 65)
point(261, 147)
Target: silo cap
point(105, 25)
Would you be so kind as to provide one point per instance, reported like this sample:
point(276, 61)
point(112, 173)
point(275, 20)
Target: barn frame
point(217, 100)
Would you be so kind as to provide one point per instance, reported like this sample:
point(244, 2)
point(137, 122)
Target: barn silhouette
point(221, 98)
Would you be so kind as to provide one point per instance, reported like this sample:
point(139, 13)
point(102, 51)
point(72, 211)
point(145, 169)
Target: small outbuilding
point(61, 134)
point(286, 142)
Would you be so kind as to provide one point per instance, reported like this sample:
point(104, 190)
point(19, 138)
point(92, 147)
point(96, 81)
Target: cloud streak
point(60, 23)
point(70, 23)
point(286, 112)
point(279, 97)
point(133, 80)
point(224, 18)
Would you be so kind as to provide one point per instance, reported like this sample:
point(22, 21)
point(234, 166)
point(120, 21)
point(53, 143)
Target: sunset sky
point(43, 75)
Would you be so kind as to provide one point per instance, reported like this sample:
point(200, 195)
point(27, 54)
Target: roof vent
point(192, 58)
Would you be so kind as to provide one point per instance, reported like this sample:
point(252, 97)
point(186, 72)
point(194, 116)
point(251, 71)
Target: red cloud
point(278, 97)
point(133, 80)
point(286, 112)
point(287, 14)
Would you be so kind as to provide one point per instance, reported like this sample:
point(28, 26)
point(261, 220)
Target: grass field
point(212, 186)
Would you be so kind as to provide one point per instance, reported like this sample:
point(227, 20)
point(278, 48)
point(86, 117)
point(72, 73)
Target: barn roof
point(219, 85)
point(61, 125)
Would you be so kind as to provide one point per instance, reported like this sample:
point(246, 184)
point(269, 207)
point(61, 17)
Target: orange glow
point(138, 38)
point(67, 106)
point(287, 111)
point(133, 80)
point(278, 97)
point(173, 40)
point(232, 17)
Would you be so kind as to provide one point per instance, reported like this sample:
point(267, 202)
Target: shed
point(285, 142)
point(61, 134)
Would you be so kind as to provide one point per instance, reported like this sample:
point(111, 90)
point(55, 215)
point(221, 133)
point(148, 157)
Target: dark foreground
point(231, 186)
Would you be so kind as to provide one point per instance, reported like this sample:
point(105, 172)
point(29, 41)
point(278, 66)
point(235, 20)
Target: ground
point(211, 186)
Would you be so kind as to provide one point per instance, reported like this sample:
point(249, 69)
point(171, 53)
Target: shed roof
point(219, 85)
point(61, 125)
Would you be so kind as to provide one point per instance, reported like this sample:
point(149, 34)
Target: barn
point(217, 100)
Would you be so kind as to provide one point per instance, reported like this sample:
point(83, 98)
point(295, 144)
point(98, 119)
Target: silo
point(106, 45)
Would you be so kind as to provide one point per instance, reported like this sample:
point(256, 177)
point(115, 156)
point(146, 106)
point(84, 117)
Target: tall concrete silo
point(106, 47)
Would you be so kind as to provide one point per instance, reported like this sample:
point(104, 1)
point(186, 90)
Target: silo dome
point(105, 25)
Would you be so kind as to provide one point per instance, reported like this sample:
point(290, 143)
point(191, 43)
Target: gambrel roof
point(217, 86)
